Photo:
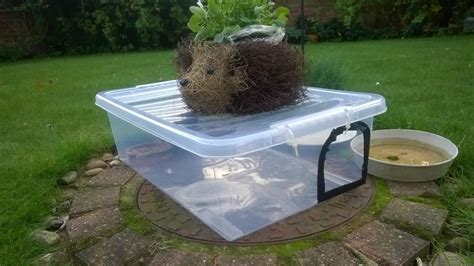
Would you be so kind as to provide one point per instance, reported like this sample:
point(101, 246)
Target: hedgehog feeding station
point(239, 174)
point(238, 144)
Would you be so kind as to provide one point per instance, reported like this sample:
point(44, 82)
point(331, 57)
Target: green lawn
point(49, 123)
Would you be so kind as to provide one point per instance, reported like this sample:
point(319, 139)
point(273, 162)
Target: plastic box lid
point(158, 108)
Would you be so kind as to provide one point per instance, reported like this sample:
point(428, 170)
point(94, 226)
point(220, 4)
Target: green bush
point(330, 30)
point(9, 52)
point(122, 25)
point(294, 35)
point(85, 26)
point(384, 19)
point(404, 17)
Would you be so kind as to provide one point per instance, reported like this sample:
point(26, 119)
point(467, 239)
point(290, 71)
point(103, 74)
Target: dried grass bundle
point(251, 77)
point(184, 57)
point(275, 74)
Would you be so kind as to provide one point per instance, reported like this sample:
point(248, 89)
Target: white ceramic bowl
point(405, 172)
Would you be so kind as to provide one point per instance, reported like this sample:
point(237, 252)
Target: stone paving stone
point(95, 199)
point(116, 176)
point(386, 245)
point(415, 214)
point(120, 249)
point(423, 189)
point(332, 253)
point(246, 260)
point(94, 224)
point(178, 258)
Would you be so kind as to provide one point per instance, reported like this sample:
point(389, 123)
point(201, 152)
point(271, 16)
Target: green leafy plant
point(216, 19)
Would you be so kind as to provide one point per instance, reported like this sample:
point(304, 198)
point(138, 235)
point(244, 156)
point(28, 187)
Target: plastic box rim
point(209, 146)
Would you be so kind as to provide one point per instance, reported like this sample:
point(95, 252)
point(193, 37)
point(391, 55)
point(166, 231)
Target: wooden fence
point(320, 10)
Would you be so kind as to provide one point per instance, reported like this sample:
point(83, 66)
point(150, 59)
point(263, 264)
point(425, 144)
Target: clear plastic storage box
point(240, 174)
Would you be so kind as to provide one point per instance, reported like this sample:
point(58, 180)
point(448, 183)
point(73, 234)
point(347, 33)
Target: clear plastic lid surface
point(159, 109)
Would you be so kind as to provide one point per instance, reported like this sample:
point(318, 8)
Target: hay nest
point(248, 78)
point(184, 58)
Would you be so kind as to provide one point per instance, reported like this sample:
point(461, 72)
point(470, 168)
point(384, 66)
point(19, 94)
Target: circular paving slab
point(165, 213)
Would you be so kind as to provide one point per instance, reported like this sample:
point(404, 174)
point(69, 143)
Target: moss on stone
point(284, 251)
point(381, 199)
point(434, 202)
point(90, 241)
point(129, 209)
point(414, 229)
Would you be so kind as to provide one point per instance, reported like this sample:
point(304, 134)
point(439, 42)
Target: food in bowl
point(406, 155)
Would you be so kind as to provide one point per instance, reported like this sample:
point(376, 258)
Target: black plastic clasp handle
point(322, 193)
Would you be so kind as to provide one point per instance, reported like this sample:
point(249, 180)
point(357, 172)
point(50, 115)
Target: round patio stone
point(165, 213)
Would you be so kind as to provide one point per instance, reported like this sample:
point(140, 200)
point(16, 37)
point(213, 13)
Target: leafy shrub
point(383, 19)
point(293, 35)
point(219, 18)
point(330, 30)
point(9, 52)
point(309, 24)
point(403, 17)
point(84, 26)
point(123, 25)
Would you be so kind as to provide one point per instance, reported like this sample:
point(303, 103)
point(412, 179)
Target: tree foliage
point(83, 26)
point(409, 17)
